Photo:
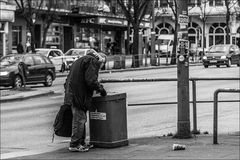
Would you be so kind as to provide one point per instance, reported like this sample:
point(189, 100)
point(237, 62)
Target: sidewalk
point(200, 147)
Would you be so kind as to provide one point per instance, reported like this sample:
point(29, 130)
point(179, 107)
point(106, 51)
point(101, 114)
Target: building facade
point(6, 20)
point(80, 24)
point(212, 14)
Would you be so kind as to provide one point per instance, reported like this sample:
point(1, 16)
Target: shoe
point(78, 149)
point(88, 145)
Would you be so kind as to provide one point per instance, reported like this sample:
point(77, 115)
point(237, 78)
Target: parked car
point(73, 54)
point(56, 56)
point(40, 69)
point(227, 54)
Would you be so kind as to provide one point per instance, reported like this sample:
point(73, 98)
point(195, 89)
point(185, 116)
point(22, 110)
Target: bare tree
point(135, 10)
point(49, 18)
point(30, 10)
point(174, 7)
point(203, 17)
point(229, 6)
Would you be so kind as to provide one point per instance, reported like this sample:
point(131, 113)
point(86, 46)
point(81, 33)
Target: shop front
point(101, 33)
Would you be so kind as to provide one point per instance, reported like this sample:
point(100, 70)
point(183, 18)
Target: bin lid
point(111, 96)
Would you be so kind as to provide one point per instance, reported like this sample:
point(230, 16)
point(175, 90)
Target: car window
point(69, 53)
point(39, 60)
point(28, 60)
point(52, 53)
point(47, 60)
point(57, 53)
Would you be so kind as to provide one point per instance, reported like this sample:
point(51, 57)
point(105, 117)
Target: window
point(218, 2)
point(28, 60)
point(39, 60)
point(163, 3)
point(16, 36)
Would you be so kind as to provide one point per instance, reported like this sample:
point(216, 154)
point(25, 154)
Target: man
point(81, 82)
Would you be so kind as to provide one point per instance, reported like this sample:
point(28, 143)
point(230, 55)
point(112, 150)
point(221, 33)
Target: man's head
point(102, 58)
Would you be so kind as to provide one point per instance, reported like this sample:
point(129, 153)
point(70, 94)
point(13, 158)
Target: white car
point(73, 54)
point(56, 56)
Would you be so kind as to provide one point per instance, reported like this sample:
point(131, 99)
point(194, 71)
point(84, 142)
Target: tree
point(203, 17)
point(174, 7)
point(135, 10)
point(49, 18)
point(230, 4)
point(30, 10)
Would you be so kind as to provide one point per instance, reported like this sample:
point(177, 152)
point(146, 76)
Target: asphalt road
point(27, 125)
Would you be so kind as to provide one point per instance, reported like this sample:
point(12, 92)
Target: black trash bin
point(108, 121)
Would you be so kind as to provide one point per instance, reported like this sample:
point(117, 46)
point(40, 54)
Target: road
point(27, 125)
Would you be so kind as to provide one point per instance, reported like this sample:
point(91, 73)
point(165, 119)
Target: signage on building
point(6, 16)
point(88, 20)
point(111, 21)
point(183, 20)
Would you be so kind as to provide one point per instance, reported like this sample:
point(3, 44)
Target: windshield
point(75, 53)
point(7, 60)
point(218, 49)
point(42, 52)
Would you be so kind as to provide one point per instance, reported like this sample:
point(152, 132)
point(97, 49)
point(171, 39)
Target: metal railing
point(194, 96)
point(215, 111)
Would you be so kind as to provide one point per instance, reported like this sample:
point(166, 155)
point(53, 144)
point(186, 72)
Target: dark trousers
point(78, 127)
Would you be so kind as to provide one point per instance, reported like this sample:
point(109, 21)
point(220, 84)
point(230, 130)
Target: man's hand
point(103, 92)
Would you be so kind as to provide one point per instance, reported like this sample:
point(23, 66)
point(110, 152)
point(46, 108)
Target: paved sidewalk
point(200, 147)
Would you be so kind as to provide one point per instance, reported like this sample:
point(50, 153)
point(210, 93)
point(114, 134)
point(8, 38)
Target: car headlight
point(204, 57)
point(4, 73)
point(223, 57)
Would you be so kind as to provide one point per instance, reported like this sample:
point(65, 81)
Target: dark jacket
point(82, 80)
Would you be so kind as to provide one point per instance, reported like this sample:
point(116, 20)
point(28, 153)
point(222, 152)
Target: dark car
point(227, 54)
point(39, 69)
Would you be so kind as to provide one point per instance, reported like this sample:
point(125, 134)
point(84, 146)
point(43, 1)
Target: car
point(226, 54)
point(39, 69)
point(73, 54)
point(55, 55)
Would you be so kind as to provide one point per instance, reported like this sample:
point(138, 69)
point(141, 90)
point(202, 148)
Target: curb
point(134, 69)
point(22, 97)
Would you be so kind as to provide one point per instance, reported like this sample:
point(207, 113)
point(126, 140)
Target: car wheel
point(48, 80)
point(229, 63)
point(206, 66)
point(218, 66)
point(17, 83)
point(63, 68)
point(238, 64)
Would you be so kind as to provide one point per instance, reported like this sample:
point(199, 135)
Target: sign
point(98, 115)
point(88, 20)
point(183, 46)
point(183, 20)
point(111, 21)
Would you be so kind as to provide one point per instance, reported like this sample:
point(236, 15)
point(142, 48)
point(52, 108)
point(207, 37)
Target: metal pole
point(215, 118)
point(183, 124)
point(194, 107)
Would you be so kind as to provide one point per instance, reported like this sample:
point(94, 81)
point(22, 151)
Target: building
point(215, 24)
point(85, 23)
point(6, 20)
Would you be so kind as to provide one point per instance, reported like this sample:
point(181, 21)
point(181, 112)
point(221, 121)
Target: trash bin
point(108, 121)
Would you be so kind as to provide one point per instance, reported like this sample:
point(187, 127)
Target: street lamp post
point(183, 124)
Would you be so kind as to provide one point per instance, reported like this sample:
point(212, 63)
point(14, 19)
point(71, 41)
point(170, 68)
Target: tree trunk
point(31, 29)
point(227, 29)
point(135, 46)
point(43, 45)
point(174, 51)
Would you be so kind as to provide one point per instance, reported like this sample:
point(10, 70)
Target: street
point(27, 125)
